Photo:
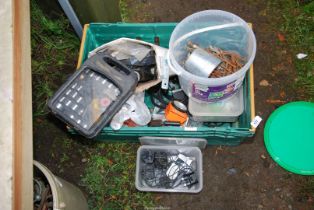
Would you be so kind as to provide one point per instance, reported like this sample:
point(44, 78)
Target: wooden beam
point(22, 108)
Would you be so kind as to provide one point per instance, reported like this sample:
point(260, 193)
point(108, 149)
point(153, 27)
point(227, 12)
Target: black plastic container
point(89, 99)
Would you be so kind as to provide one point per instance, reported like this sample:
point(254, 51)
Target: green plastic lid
point(289, 137)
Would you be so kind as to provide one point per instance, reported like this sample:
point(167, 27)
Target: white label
point(164, 73)
point(190, 128)
point(256, 121)
point(203, 88)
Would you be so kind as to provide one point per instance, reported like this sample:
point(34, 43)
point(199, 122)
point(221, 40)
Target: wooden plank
point(252, 96)
point(252, 92)
point(86, 26)
point(22, 108)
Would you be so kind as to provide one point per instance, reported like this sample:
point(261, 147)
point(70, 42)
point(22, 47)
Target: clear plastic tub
point(194, 152)
point(211, 28)
point(227, 110)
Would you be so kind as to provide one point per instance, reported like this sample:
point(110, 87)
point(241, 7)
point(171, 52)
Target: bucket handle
point(176, 71)
point(202, 30)
point(192, 33)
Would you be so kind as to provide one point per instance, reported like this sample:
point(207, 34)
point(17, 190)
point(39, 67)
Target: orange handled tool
point(176, 112)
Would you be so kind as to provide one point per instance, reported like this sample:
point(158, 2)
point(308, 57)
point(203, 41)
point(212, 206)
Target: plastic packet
point(141, 114)
point(122, 116)
point(139, 51)
point(134, 109)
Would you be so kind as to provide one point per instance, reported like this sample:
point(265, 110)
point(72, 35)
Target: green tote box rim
point(214, 135)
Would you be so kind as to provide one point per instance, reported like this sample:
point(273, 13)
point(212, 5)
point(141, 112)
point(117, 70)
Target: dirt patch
point(61, 153)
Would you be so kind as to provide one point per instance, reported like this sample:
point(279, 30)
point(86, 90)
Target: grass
point(134, 11)
point(298, 28)
point(54, 46)
point(109, 178)
point(124, 12)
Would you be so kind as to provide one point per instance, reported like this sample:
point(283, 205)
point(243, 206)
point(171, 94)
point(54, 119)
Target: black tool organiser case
point(89, 99)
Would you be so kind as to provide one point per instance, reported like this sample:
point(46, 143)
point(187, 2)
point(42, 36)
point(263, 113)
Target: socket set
point(93, 94)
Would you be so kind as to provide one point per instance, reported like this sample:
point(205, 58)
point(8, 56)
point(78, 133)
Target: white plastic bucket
point(211, 28)
point(65, 195)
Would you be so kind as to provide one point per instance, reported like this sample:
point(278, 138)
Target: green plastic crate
point(96, 34)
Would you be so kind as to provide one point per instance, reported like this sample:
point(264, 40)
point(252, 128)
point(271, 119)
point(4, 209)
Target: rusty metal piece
point(231, 61)
point(43, 202)
point(191, 46)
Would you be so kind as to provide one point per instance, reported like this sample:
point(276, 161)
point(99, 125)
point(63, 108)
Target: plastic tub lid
point(173, 141)
point(289, 137)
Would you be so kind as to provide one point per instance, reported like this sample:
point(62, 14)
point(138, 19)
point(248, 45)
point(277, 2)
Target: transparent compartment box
point(227, 110)
point(187, 151)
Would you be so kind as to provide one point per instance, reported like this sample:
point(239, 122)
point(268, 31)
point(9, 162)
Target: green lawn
point(297, 26)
